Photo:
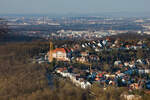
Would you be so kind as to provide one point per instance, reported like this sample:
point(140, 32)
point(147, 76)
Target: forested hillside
point(22, 80)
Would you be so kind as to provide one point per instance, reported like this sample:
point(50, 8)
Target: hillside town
point(74, 50)
point(106, 62)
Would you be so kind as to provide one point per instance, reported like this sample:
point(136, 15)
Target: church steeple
point(50, 52)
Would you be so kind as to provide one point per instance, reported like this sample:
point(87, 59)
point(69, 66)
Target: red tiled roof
point(60, 50)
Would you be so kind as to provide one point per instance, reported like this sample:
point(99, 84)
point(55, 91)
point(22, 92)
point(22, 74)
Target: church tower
point(50, 52)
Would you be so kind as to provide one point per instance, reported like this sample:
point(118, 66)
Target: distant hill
point(17, 38)
point(5, 35)
point(131, 36)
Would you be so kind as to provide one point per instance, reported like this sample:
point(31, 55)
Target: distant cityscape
point(76, 27)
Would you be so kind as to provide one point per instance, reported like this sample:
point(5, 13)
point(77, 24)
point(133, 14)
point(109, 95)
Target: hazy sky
point(72, 6)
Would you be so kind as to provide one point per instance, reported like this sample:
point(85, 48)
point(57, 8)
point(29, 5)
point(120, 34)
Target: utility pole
point(90, 68)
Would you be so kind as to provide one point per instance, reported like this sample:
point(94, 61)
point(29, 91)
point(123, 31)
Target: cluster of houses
point(66, 53)
point(133, 78)
point(75, 78)
point(85, 34)
point(130, 74)
point(113, 44)
point(81, 79)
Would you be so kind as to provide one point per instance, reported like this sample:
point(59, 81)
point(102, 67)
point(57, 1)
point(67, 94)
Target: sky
point(72, 6)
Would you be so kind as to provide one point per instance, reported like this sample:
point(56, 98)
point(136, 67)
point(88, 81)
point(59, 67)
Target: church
point(60, 54)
